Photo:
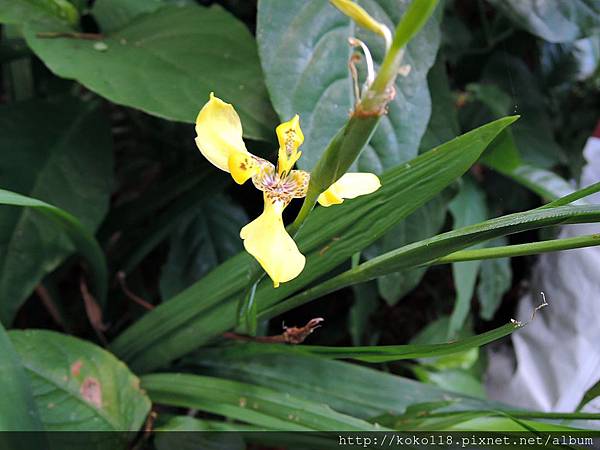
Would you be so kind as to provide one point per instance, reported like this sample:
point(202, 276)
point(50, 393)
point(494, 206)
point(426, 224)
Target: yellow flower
point(219, 138)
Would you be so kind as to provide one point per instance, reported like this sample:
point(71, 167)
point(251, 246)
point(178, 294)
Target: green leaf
point(504, 157)
point(329, 237)
point(424, 222)
point(554, 20)
point(385, 353)
point(78, 386)
point(304, 52)
point(166, 63)
point(23, 11)
point(352, 389)
point(437, 332)
point(468, 207)
point(438, 249)
point(454, 380)
point(590, 395)
point(18, 411)
point(200, 244)
point(112, 15)
point(494, 280)
point(63, 156)
point(248, 403)
point(533, 133)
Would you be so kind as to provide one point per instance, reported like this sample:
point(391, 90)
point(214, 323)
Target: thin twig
point(139, 300)
point(49, 304)
point(291, 335)
point(93, 311)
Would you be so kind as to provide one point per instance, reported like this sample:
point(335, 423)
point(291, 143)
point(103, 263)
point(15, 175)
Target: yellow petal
point(219, 132)
point(290, 138)
point(265, 238)
point(242, 166)
point(350, 185)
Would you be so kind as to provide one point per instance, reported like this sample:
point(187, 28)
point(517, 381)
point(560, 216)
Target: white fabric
point(557, 356)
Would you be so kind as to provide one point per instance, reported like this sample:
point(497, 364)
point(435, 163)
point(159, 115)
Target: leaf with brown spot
point(79, 386)
point(91, 391)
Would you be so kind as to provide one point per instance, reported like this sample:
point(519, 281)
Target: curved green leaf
point(249, 403)
point(386, 353)
point(167, 70)
point(84, 241)
point(78, 386)
point(428, 251)
point(350, 388)
point(329, 237)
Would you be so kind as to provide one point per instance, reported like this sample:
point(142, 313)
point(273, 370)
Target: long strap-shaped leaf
point(329, 237)
point(429, 250)
point(248, 403)
point(385, 353)
point(84, 240)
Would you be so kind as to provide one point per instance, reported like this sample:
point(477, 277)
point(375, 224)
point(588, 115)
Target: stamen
point(354, 42)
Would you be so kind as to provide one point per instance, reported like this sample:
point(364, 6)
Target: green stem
point(532, 248)
point(574, 196)
point(347, 144)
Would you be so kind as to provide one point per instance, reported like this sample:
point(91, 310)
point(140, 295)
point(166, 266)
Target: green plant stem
point(581, 193)
point(532, 248)
point(347, 144)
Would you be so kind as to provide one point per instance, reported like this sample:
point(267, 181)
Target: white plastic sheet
point(556, 357)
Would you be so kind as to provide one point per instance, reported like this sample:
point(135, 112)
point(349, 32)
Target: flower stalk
point(348, 143)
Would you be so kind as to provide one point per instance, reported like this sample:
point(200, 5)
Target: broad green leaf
point(504, 157)
point(453, 380)
point(114, 14)
point(329, 237)
point(78, 386)
point(495, 279)
point(200, 244)
point(23, 11)
point(349, 388)
point(166, 63)
point(248, 403)
point(61, 155)
point(468, 207)
point(18, 412)
point(438, 249)
point(304, 53)
point(437, 332)
point(554, 20)
point(385, 353)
